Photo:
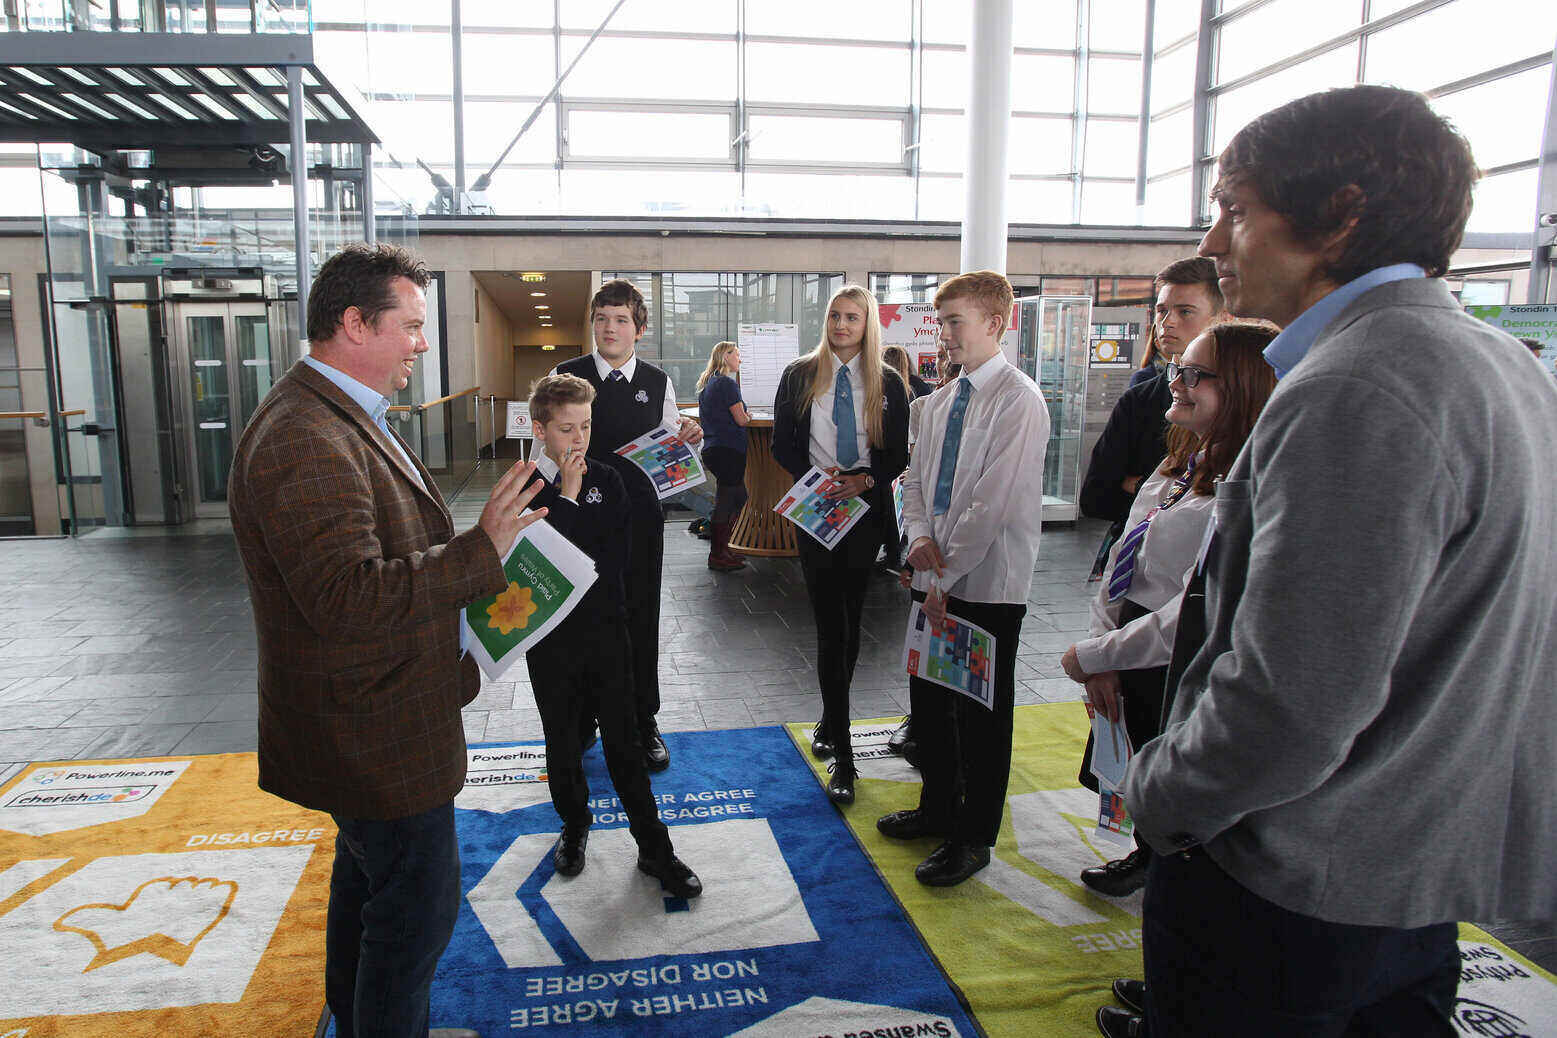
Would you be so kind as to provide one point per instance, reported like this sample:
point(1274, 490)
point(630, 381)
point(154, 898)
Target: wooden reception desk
point(759, 530)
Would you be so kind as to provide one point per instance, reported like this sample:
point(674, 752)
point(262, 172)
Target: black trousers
point(574, 682)
point(643, 607)
point(1222, 961)
point(1142, 708)
point(965, 749)
point(836, 581)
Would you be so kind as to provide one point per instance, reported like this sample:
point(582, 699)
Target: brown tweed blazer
point(357, 580)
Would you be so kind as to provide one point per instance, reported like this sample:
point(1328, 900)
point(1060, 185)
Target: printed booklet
point(826, 519)
point(671, 465)
point(547, 576)
point(956, 654)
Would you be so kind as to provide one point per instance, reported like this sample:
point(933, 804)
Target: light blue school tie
point(949, 447)
point(848, 452)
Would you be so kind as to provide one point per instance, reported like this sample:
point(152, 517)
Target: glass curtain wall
point(690, 312)
point(1487, 67)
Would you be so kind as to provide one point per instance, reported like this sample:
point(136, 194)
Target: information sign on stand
point(1536, 321)
point(766, 349)
point(519, 427)
point(915, 327)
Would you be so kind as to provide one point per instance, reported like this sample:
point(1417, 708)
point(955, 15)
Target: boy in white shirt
point(972, 512)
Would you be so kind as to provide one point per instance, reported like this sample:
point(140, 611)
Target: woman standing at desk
point(722, 414)
point(843, 410)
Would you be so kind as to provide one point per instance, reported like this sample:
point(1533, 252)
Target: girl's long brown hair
point(1246, 381)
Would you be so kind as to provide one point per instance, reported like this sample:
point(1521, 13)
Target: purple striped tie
point(1130, 544)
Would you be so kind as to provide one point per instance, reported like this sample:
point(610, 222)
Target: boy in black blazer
point(582, 670)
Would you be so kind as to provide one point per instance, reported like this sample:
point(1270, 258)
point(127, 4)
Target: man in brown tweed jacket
point(357, 578)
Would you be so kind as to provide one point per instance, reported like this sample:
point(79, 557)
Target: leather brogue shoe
point(908, 825)
point(900, 736)
point(956, 863)
point(840, 785)
point(1131, 994)
point(1118, 878)
point(673, 874)
point(1113, 1022)
point(821, 745)
point(655, 755)
point(569, 855)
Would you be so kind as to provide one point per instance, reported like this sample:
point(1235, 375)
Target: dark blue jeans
point(1223, 961)
point(394, 895)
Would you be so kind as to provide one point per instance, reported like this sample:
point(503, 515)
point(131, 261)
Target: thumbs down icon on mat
point(166, 917)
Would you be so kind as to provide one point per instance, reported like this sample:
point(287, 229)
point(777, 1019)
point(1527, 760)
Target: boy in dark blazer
point(632, 397)
point(582, 670)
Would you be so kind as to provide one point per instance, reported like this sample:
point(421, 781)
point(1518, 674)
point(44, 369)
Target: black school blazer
point(792, 439)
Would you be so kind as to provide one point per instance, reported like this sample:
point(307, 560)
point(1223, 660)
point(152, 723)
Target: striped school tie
point(947, 472)
point(1130, 545)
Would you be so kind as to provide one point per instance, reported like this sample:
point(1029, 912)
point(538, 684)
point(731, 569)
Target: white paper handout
point(956, 654)
point(826, 519)
point(1110, 749)
point(547, 576)
point(665, 458)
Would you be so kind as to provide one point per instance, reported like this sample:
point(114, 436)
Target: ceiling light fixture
point(542, 306)
point(538, 295)
point(547, 349)
point(532, 275)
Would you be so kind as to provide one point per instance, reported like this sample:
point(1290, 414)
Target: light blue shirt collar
point(1294, 342)
point(374, 404)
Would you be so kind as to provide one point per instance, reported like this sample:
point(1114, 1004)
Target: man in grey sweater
point(1362, 751)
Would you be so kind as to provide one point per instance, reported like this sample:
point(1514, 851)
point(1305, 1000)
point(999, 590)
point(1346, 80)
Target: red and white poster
point(915, 327)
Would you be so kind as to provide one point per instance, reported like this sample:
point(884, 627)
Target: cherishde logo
point(80, 796)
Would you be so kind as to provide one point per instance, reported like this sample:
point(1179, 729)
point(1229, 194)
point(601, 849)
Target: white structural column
point(298, 161)
point(989, 128)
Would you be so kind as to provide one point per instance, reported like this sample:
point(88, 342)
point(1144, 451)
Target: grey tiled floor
point(141, 643)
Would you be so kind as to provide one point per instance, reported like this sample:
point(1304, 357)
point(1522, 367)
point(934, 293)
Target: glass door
point(227, 359)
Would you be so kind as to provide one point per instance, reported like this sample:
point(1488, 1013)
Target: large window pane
point(1169, 143)
point(682, 70)
point(824, 74)
point(1502, 119)
point(1505, 203)
point(633, 192)
point(1173, 78)
point(343, 58)
point(1038, 201)
point(645, 135)
point(1118, 24)
point(825, 141)
point(502, 14)
point(1174, 22)
point(680, 16)
point(1043, 83)
point(523, 192)
point(946, 80)
point(1277, 29)
point(490, 125)
point(1114, 86)
point(1167, 201)
point(1107, 203)
point(1458, 40)
point(1039, 146)
point(1111, 149)
point(1034, 23)
point(415, 129)
point(943, 143)
point(507, 64)
point(855, 20)
point(1232, 112)
point(832, 196)
point(19, 193)
point(941, 199)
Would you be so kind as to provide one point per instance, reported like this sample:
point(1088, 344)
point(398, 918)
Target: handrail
point(430, 404)
point(23, 414)
point(72, 414)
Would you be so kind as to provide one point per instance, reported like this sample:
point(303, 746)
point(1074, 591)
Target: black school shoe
point(821, 745)
point(569, 855)
point(911, 824)
point(1113, 1022)
point(655, 755)
point(673, 874)
point(950, 864)
point(840, 786)
point(1118, 878)
point(1131, 994)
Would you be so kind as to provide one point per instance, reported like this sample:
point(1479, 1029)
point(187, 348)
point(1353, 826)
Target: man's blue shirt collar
point(373, 403)
point(1294, 342)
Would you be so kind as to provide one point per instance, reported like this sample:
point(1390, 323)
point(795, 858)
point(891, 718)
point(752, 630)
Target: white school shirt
point(989, 535)
point(824, 434)
point(670, 413)
point(1163, 565)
